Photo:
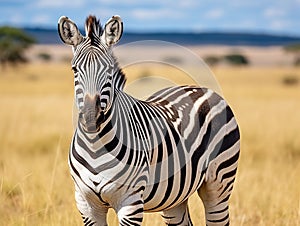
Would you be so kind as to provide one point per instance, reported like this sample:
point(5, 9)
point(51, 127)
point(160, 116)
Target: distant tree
point(13, 43)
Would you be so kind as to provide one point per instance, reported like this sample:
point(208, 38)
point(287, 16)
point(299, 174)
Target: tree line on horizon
point(15, 41)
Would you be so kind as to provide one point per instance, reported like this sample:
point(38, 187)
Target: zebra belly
point(164, 194)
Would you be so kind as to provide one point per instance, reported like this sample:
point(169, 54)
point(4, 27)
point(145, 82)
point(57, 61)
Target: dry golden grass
point(267, 191)
point(36, 127)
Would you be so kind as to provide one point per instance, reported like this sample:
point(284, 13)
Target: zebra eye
point(74, 69)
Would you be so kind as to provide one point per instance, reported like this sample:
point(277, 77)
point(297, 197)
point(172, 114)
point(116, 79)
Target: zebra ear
point(113, 31)
point(68, 31)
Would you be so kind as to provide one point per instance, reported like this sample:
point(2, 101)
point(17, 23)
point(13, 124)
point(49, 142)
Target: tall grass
point(36, 128)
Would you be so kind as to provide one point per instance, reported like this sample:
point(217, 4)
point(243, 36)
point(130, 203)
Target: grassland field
point(36, 102)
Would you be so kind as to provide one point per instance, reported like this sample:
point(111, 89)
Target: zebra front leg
point(178, 215)
point(131, 210)
point(91, 212)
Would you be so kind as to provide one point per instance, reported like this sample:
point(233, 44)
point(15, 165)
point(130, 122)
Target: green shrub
point(44, 56)
point(290, 80)
point(297, 61)
point(212, 60)
point(236, 59)
point(172, 60)
point(146, 73)
point(295, 47)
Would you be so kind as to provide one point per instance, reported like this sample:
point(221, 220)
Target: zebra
point(144, 156)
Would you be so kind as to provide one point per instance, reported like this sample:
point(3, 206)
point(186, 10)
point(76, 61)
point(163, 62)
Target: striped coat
point(135, 156)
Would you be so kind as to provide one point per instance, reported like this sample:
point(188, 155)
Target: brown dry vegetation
point(36, 127)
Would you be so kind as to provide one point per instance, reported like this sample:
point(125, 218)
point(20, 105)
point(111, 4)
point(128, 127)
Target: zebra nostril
point(97, 104)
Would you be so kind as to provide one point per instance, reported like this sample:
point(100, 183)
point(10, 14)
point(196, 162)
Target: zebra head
point(96, 71)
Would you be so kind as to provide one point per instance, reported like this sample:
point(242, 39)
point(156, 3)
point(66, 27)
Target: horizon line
point(207, 31)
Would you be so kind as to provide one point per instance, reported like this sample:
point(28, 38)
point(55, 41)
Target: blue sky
point(270, 16)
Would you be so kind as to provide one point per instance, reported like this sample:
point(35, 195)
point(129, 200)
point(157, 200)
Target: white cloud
point(154, 14)
point(279, 24)
point(246, 24)
point(188, 4)
point(274, 12)
point(214, 14)
point(17, 19)
point(58, 3)
point(41, 19)
point(243, 4)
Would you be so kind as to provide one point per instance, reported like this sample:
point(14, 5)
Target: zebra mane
point(93, 29)
point(120, 80)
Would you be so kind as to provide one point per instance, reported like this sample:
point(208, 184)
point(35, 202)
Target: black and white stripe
point(147, 155)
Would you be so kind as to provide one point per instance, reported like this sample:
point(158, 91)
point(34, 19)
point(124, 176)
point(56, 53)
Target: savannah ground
point(36, 127)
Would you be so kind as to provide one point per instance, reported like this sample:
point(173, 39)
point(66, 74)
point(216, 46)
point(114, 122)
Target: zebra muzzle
point(91, 113)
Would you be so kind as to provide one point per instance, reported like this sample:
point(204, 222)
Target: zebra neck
point(96, 141)
point(132, 117)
